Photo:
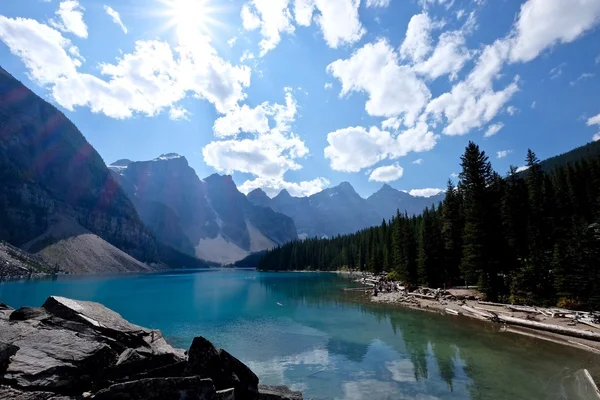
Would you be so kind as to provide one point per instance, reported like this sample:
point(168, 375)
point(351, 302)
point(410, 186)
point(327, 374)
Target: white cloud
point(428, 192)
point(391, 124)
point(582, 77)
point(473, 102)
point(393, 89)
point(557, 71)
point(512, 110)
point(255, 120)
point(544, 23)
point(387, 173)
point(493, 129)
point(523, 168)
point(147, 81)
point(596, 137)
point(269, 155)
point(328, 85)
point(418, 161)
point(449, 56)
point(503, 153)
point(272, 16)
point(242, 119)
point(378, 3)
point(338, 19)
point(231, 42)
point(268, 152)
point(179, 113)
point(272, 187)
point(115, 17)
point(454, 175)
point(417, 42)
point(354, 148)
point(246, 55)
point(595, 120)
point(460, 14)
point(70, 13)
point(533, 104)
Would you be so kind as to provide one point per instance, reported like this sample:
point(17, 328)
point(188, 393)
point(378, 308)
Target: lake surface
point(302, 330)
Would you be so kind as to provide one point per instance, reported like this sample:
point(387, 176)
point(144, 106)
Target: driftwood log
point(424, 296)
point(563, 330)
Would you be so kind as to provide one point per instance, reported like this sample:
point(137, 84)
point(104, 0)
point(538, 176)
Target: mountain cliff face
point(387, 201)
point(340, 210)
point(49, 173)
point(208, 218)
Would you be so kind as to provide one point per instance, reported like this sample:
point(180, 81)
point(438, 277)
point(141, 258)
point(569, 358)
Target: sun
point(190, 15)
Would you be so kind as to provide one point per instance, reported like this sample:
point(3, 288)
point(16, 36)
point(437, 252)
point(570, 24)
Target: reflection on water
point(304, 331)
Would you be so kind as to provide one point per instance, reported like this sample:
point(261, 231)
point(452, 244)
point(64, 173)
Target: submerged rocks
point(73, 349)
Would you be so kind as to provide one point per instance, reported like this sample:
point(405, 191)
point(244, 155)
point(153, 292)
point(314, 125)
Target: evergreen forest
point(531, 237)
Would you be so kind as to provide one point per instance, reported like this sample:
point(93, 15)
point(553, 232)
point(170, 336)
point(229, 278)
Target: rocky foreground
point(70, 349)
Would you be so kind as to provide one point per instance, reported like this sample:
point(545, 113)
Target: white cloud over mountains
point(388, 173)
point(267, 150)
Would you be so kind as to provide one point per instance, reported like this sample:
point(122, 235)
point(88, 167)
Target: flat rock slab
point(110, 324)
point(268, 392)
point(192, 388)
point(8, 393)
point(56, 360)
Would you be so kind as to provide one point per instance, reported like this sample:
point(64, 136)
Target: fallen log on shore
point(424, 296)
point(545, 327)
point(451, 311)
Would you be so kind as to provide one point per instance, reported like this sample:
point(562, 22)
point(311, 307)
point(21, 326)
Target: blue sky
point(305, 94)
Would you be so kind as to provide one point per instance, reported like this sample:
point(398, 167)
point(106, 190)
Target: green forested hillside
point(525, 238)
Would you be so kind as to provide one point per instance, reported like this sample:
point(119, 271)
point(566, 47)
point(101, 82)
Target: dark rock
point(131, 363)
point(29, 313)
point(168, 371)
point(8, 393)
point(5, 311)
point(268, 392)
point(160, 389)
point(55, 359)
point(204, 360)
point(7, 350)
point(5, 307)
point(227, 394)
point(245, 381)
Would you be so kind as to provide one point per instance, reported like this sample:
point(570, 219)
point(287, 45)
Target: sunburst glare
point(191, 15)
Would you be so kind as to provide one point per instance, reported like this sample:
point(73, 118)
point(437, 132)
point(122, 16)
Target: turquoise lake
point(304, 331)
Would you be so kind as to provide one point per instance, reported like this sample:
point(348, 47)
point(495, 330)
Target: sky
point(304, 94)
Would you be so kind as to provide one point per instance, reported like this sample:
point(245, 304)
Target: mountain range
point(58, 200)
point(340, 210)
point(208, 218)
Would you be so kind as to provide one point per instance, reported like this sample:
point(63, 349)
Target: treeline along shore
point(531, 237)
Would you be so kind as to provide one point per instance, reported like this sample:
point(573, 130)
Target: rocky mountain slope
point(16, 263)
point(49, 173)
point(340, 210)
point(207, 218)
point(70, 349)
point(387, 201)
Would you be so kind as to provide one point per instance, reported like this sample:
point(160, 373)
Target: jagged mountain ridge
point(207, 218)
point(340, 210)
point(49, 173)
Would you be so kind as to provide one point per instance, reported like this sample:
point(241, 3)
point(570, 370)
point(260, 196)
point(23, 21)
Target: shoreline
point(476, 310)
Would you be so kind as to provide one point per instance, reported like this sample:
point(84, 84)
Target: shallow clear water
point(302, 330)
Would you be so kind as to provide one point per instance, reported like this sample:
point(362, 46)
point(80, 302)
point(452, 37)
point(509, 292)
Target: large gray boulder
point(111, 324)
point(160, 389)
point(268, 392)
point(72, 349)
point(55, 360)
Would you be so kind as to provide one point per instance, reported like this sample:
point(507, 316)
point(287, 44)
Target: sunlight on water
point(302, 330)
